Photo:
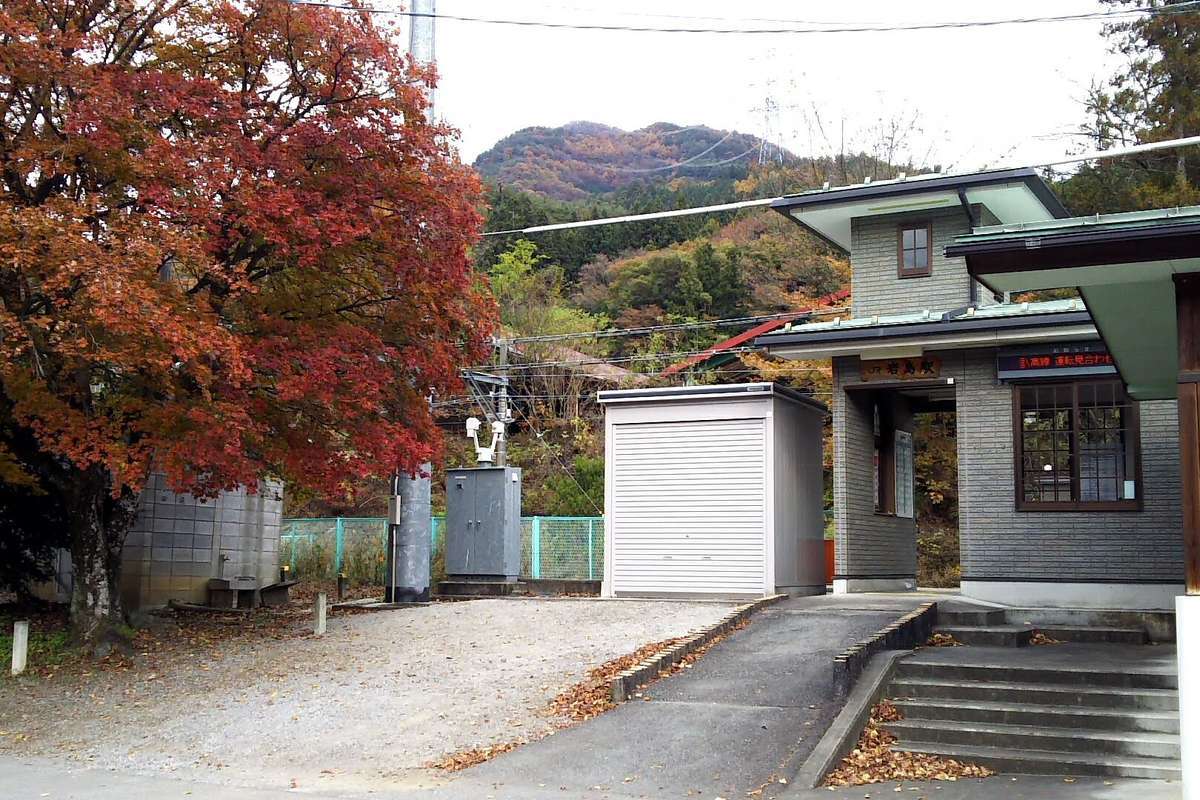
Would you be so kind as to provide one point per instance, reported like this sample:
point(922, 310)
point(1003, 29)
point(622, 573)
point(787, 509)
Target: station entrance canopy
point(1127, 268)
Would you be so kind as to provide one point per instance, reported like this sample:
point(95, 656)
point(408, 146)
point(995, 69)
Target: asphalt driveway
point(745, 716)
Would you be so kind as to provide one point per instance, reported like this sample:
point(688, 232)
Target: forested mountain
point(582, 159)
point(671, 270)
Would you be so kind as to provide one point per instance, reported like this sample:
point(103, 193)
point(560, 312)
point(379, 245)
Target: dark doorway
point(935, 473)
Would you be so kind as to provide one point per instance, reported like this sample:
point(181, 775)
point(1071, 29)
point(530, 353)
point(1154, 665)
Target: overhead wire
point(688, 164)
point(660, 15)
point(1094, 155)
point(679, 212)
point(466, 401)
point(609, 361)
point(540, 436)
point(806, 28)
point(677, 164)
point(676, 326)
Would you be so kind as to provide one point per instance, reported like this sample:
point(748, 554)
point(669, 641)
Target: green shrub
point(364, 559)
point(310, 558)
point(47, 648)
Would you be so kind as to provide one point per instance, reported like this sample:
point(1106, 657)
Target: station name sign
point(1054, 361)
point(900, 369)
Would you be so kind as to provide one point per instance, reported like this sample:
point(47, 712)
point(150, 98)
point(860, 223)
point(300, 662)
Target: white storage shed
point(713, 491)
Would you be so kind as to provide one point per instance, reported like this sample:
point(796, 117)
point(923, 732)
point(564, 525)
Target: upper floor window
point(1076, 447)
point(915, 242)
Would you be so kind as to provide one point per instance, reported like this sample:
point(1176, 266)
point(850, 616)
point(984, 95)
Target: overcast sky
point(981, 95)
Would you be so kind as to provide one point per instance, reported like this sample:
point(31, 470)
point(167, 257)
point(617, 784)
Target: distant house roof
point(887, 335)
point(1012, 195)
point(587, 365)
point(748, 336)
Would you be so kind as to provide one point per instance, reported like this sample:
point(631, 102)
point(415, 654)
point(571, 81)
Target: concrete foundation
point(1034, 594)
point(853, 585)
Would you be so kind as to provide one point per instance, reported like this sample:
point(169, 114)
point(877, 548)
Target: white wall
point(799, 498)
point(793, 520)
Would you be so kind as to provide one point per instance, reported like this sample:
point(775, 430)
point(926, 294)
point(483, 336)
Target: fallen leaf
point(874, 760)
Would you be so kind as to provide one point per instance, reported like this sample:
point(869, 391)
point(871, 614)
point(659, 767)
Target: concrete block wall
point(870, 547)
point(1000, 543)
point(877, 289)
point(177, 542)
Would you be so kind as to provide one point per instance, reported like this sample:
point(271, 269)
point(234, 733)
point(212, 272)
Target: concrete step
point(993, 668)
point(963, 616)
point(1081, 633)
point(1159, 625)
point(1025, 737)
point(1035, 762)
point(1041, 716)
point(1109, 697)
point(989, 635)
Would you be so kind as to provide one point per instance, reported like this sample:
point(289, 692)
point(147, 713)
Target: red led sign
point(1084, 358)
point(1065, 361)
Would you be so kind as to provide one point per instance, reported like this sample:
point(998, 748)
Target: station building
point(1069, 487)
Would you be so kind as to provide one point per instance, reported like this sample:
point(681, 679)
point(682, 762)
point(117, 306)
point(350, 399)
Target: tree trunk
point(98, 523)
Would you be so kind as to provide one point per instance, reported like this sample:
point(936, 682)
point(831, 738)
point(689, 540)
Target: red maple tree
point(231, 246)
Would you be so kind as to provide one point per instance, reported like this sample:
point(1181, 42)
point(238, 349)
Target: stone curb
point(910, 630)
point(842, 734)
point(623, 685)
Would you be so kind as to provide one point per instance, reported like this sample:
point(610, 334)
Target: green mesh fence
point(569, 548)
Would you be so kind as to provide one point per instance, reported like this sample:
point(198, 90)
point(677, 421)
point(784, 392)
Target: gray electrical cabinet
point(483, 523)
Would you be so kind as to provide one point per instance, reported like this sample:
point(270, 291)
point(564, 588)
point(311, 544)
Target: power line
point(678, 164)
point(676, 326)
point(689, 163)
point(835, 27)
point(679, 212)
point(539, 435)
point(659, 15)
point(1094, 155)
point(613, 360)
point(616, 360)
point(466, 401)
point(681, 375)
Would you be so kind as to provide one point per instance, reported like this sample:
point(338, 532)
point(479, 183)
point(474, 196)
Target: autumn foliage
point(231, 246)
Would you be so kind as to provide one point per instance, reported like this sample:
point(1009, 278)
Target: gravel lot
point(363, 707)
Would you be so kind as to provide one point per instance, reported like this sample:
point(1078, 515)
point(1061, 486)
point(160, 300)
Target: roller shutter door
point(689, 507)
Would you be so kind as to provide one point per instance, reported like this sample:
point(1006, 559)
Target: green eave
point(1124, 267)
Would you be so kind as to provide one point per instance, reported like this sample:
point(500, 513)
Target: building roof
point(1012, 195)
point(712, 392)
point(885, 336)
point(1124, 266)
point(1123, 220)
point(748, 336)
point(1157, 223)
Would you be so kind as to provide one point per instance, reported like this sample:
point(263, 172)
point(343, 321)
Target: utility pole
point(421, 37)
point(502, 404)
point(409, 536)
